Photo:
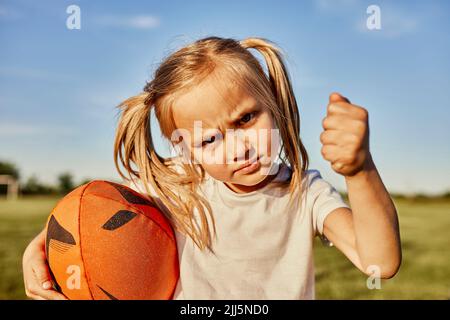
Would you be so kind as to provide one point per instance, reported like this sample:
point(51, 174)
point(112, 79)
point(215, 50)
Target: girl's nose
point(242, 150)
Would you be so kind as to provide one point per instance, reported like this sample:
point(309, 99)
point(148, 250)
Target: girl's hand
point(36, 274)
point(345, 138)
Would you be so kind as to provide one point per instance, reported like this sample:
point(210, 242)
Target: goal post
point(12, 186)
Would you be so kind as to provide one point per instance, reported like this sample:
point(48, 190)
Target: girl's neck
point(238, 188)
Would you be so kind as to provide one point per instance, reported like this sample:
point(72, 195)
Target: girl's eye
point(208, 141)
point(247, 117)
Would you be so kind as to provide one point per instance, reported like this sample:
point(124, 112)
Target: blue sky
point(59, 87)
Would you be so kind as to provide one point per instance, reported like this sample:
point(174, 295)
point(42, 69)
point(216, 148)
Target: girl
point(245, 207)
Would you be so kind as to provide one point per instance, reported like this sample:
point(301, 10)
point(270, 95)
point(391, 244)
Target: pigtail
point(282, 90)
point(176, 196)
point(132, 127)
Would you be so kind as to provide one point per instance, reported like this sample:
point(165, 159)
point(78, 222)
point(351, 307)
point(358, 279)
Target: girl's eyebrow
point(236, 114)
point(240, 112)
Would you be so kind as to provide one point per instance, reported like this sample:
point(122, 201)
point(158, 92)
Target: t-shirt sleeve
point(323, 199)
point(137, 185)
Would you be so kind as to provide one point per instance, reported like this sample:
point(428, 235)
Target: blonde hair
point(183, 69)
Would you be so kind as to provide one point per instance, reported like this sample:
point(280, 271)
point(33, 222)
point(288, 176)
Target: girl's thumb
point(337, 97)
point(43, 277)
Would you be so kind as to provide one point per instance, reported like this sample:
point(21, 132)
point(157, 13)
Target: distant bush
point(446, 195)
point(65, 183)
point(9, 168)
point(34, 187)
point(421, 197)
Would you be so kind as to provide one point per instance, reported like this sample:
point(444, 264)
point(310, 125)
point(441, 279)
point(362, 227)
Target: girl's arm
point(368, 234)
point(36, 274)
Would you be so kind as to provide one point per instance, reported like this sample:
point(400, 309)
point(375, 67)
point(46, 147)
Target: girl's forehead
point(214, 103)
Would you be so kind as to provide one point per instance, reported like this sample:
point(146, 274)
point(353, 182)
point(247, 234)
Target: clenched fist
point(345, 139)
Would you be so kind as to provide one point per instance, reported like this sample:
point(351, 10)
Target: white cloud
point(133, 22)
point(32, 74)
point(21, 129)
point(8, 13)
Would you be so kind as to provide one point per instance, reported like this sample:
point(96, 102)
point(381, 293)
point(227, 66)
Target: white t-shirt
point(262, 250)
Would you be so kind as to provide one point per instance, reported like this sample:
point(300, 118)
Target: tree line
point(65, 183)
point(33, 186)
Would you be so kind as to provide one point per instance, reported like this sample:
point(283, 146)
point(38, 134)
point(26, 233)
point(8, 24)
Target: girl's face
point(225, 128)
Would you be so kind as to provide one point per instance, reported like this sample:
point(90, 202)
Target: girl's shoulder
point(312, 181)
point(315, 185)
point(309, 177)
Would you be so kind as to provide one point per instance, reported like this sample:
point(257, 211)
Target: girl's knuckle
point(364, 114)
point(360, 127)
point(323, 137)
point(354, 139)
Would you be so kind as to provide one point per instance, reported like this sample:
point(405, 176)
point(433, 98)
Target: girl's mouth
point(249, 167)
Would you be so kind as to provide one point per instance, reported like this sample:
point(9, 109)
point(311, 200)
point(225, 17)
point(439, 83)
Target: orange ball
point(106, 241)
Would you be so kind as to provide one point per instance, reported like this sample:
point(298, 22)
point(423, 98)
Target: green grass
point(425, 269)
point(424, 274)
point(20, 221)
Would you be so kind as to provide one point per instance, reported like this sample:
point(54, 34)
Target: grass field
point(425, 271)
